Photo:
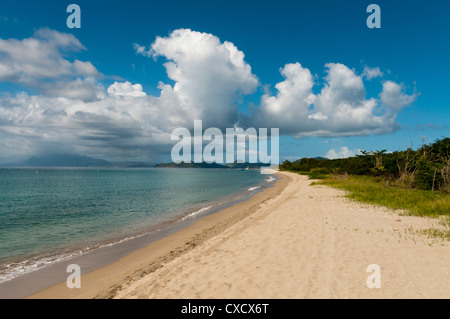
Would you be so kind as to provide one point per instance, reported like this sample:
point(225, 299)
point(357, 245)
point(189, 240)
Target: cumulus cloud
point(87, 89)
point(113, 125)
point(126, 89)
point(340, 109)
point(209, 77)
point(209, 74)
point(393, 96)
point(38, 57)
point(37, 61)
point(291, 103)
point(371, 73)
point(84, 68)
point(344, 152)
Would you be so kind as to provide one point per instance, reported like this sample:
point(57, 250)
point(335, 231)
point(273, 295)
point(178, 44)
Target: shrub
point(426, 168)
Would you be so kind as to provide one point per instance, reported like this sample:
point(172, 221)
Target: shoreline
point(290, 241)
point(305, 242)
point(97, 283)
point(43, 271)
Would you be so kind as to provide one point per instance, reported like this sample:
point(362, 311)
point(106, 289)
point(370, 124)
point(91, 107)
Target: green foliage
point(316, 174)
point(374, 191)
point(426, 168)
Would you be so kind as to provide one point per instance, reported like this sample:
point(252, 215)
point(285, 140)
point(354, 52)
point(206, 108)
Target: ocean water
point(48, 215)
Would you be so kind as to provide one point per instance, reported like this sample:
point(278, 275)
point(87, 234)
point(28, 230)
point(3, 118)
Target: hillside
point(70, 160)
point(190, 165)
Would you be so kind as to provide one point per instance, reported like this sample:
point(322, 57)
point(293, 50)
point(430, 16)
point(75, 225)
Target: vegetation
point(427, 168)
point(373, 190)
point(416, 181)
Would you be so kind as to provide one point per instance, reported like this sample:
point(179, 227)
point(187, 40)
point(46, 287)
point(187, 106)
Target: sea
point(51, 215)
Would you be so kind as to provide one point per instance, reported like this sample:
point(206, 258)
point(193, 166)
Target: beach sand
point(292, 240)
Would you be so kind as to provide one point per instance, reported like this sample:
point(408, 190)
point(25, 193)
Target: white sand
point(293, 240)
point(307, 242)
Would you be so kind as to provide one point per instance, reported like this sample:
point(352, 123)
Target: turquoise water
point(49, 214)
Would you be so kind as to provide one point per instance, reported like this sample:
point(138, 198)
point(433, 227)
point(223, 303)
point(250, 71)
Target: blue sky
point(327, 42)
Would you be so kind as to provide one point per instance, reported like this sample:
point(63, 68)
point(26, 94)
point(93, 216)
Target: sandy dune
point(306, 242)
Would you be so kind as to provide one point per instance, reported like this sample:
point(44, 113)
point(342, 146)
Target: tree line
point(426, 168)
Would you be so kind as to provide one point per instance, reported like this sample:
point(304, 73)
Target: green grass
point(437, 233)
point(371, 190)
point(315, 175)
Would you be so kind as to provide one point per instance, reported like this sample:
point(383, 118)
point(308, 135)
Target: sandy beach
point(292, 240)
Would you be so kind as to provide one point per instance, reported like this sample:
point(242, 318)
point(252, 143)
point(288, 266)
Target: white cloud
point(372, 73)
point(209, 75)
point(38, 57)
point(142, 50)
point(199, 59)
point(126, 89)
point(112, 125)
point(87, 89)
point(343, 92)
point(84, 68)
point(344, 152)
point(123, 120)
point(74, 109)
point(340, 109)
point(291, 103)
point(393, 96)
point(39, 61)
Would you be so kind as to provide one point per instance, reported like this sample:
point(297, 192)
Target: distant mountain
point(60, 160)
point(132, 164)
point(69, 160)
point(214, 165)
point(247, 165)
point(191, 165)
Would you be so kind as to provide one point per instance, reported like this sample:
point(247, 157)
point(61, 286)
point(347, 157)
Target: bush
point(425, 168)
point(320, 170)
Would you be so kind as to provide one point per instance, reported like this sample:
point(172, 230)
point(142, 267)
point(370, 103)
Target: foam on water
point(198, 212)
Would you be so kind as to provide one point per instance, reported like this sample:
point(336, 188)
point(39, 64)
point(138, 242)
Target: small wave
point(122, 240)
point(201, 210)
point(15, 269)
point(253, 188)
point(270, 179)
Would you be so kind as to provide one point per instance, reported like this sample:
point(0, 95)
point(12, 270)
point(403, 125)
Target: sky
point(118, 86)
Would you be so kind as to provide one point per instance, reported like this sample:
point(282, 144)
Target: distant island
point(190, 165)
point(70, 160)
point(213, 165)
point(79, 161)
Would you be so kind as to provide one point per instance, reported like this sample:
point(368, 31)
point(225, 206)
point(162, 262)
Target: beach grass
point(438, 233)
point(407, 201)
point(373, 190)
